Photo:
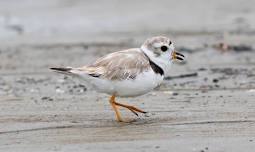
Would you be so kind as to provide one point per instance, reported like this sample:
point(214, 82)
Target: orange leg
point(131, 108)
point(112, 102)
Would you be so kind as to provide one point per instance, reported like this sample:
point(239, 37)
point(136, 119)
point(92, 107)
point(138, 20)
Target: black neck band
point(154, 66)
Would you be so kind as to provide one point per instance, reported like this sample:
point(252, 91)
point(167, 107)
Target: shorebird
point(128, 73)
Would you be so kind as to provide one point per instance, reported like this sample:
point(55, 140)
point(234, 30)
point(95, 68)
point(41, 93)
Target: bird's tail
point(82, 72)
point(67, 70)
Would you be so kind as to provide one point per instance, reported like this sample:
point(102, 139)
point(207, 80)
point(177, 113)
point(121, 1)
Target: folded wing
point(120, 65)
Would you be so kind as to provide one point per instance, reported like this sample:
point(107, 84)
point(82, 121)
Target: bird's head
point(161, 50)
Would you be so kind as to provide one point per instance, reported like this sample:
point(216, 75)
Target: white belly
point(142, 84)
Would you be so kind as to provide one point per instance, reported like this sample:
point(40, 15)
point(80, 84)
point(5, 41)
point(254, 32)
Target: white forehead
point(171, 46)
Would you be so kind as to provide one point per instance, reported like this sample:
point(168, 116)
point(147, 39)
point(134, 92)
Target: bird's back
point(117, 66)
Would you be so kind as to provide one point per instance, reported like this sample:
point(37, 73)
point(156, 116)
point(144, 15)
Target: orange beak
point(177, 56)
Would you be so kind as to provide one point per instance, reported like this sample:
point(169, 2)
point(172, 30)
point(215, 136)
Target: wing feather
point(120, 65)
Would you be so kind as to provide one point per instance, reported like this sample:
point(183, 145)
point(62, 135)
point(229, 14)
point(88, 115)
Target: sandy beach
point(204, 104)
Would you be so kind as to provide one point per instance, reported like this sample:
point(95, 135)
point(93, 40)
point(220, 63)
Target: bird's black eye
point(164, 48)
point(170, 43)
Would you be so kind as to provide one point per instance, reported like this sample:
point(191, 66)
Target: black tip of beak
point(179, 54)
point(179, 58)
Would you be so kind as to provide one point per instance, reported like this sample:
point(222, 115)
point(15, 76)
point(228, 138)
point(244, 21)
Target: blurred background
point(77, 20)
point(206, 102)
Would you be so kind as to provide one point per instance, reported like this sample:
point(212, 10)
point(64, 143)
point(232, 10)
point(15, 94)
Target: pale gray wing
point(120, 65)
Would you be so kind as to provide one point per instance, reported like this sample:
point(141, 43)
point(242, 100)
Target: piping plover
point(130, 72)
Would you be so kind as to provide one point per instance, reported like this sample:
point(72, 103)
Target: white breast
point(142, 84)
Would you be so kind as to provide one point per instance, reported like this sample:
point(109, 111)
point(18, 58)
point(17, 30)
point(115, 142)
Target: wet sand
point(204, 104)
